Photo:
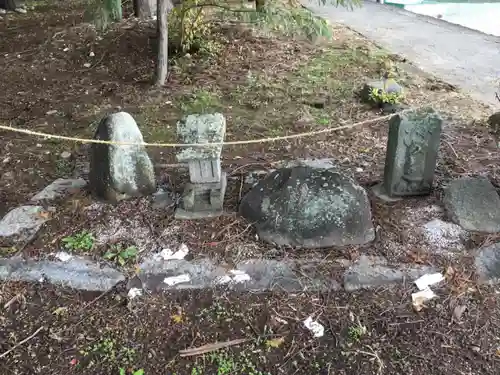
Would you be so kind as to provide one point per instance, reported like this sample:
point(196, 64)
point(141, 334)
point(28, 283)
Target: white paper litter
point(63, 256)
point(168, 254)
point(236, 276)
point(316, 329)
point(240, 276)
point(419, 298)
point(223, 279)
point(427, 280)
point(134, 292)
point(179, 279)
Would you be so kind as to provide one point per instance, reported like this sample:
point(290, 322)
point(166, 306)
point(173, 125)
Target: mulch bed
point(372, 332)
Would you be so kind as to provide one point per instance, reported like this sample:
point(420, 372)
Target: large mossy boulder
point(309, 207)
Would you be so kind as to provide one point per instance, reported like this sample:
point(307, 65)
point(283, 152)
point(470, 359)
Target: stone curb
point(78, 273)
point(257, 275)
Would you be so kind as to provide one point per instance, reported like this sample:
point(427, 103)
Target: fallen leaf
point(275, 343)
point(60, 311)
point(44, 214)
point(177, 318)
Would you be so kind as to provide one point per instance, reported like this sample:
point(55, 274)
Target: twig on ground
point(233, 172)
point(226, 227)
point(210, 347)
point(374, 355)
point(22, 342)
point(16, 298)
point(451, 147)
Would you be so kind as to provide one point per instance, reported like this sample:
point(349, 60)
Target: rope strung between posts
point(229, 143)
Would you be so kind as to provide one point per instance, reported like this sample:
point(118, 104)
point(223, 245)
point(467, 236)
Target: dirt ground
point(61, 76)
point(364, 333)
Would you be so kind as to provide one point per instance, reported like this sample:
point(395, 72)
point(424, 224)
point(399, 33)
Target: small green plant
point(225, 364)
point(121, 256)
point(384, 97)
point(201, 101)
point(83, 241)
point(323, 121)
point(356, 332)
point(108, 351)
point(134, 372)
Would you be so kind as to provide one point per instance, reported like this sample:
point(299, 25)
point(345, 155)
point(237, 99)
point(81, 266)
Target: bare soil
point(266, 86)
point(364, 333)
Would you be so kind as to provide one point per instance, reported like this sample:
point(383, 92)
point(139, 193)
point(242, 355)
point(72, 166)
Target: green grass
point(356, 332)
point(108, 352)
point(225, 363)
point(267, 105)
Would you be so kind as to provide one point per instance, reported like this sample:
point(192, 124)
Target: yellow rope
point(250, 141)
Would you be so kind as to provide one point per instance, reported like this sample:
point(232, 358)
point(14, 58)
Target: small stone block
point(474, 204)
point(412, 149)
point(202, 171)
point(487, 262)
point(58, 188)
point(202, 200)
point(200, 129)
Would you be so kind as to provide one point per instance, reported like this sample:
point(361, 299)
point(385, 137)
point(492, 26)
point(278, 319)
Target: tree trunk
point(145, 9)
point(260, 5)
point(162, 32)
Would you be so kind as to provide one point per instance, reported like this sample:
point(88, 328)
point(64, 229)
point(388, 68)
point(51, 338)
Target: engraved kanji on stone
point(412, 149)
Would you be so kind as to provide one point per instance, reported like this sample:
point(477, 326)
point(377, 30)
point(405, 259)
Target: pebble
point(475, 348)
point(51, 112)
point(65, 154)
point(91, 54)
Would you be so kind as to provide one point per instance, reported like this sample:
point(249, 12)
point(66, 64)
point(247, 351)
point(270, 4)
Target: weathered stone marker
point(120, 171)
point(204, 195)
point(412, 149)
point(473, 203)
point(309, 207)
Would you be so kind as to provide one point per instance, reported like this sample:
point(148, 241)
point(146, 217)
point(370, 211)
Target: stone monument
point(204, 195)
point(412, 149)
point(120, 171)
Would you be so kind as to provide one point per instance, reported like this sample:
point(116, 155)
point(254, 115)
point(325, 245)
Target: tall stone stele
point(204, 195)
point(412, 150)
point(119, 172)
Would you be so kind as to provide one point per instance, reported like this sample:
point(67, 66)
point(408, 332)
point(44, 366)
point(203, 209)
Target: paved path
point(457, 55)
